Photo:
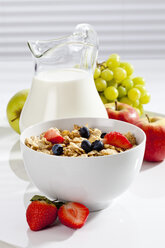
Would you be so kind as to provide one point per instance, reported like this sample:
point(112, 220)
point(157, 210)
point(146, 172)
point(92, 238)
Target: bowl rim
point(92, 157)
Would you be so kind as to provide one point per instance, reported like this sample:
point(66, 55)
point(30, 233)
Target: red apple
point(154, 128)
point(122, 111)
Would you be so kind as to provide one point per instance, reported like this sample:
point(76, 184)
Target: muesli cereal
point(81, 142)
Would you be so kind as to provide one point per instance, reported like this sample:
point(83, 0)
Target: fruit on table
point(53, 136)
point(101, 84)
point(119, 74)
point(128, 67)
point(40, 213)
point(107, 74)
point(114, 81)
point(113, 61)
point(121, 111)
point(43, 212)
point(14, 108)
point(154, 128)
point(111, 93)
point(117, 139)
point(73, 214)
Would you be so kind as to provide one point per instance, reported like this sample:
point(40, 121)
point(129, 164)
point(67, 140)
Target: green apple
point(14, 108)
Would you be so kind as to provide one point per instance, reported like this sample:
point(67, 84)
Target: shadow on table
point(151, 183)
point(4, 244)
point(55, 233)
point(149, 165)
point(16, 162)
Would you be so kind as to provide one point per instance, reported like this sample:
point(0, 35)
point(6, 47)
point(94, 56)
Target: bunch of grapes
point(114, 81)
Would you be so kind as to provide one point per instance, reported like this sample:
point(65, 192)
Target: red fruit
point(40, 213)
point(117, 139)
point(73, 214)
point(154, 128)
point(121, 111)
point(53, 136)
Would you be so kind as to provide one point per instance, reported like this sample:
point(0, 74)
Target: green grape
point(139, 80)
point(111, 93)
point(107, 74)
point(101, 84)
point(112, 83)
point(122, 91)
point(142, 89)
point(113, 61)
point(128, 67)
point(114, 56)
point(104, 100)
point(126, 100)
point(119, 74)
point(145, 98)
point(136, 103)
point(140, 107)
point(130, 77)
point(127, 83)
point(97, 73)
point(134, 94)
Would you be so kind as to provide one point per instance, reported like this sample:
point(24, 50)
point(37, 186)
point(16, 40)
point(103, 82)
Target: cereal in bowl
point(81, 142)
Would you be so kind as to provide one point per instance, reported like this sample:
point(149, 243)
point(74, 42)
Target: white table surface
point(135, 220)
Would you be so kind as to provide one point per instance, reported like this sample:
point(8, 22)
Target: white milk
point(61, 93)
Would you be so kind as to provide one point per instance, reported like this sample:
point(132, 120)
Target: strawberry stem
point(41, 198)
point(58, 203)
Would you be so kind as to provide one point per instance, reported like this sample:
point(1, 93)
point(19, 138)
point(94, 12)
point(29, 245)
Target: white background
point(133, 28)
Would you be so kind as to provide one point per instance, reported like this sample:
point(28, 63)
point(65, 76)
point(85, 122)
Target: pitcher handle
point(87, 34)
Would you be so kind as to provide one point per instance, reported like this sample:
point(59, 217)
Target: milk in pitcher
point(62, 93)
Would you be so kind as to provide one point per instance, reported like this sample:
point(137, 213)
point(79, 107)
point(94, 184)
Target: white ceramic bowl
point(93, 181)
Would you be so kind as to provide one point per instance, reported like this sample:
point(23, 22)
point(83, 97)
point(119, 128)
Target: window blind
point(132, 28)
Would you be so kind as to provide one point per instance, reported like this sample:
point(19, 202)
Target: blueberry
point(84, 132)
point(86, 146)
point(97, 145)
point(57, 149)
point(102, 135)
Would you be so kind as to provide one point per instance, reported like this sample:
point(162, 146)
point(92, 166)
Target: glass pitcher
point(63, 84)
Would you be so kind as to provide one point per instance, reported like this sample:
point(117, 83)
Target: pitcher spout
point(39, 48)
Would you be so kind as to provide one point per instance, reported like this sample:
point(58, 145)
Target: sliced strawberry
point(53, 136)
point(117, 139)
point(40, 213)
point(73, 214)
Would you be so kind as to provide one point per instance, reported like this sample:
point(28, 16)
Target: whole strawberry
point(40, 213)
